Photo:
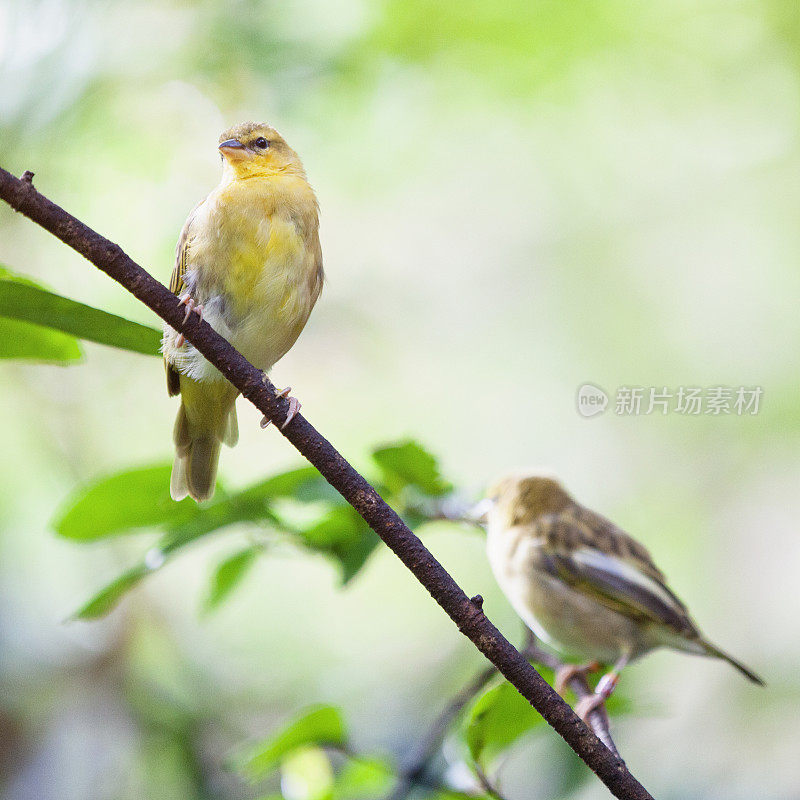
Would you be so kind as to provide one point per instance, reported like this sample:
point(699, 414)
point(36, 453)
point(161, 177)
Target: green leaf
point(319, 725)
point(343, 534)
point(229, 574)
point(24, 300)
point(363, 779)
point(340, 533)
point(409, 464)
point(253, 504)
point(496, 720)
point(137, 498)
point(303, 484)
point(306, 774)
point(108, 597)
point(22, 340)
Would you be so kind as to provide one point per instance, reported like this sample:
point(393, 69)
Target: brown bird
point(583, 585)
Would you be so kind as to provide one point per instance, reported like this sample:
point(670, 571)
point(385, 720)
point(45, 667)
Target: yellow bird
point(583, 585)
point(249, 262)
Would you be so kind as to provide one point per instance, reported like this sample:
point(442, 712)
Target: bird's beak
point(231, 144)
point(233, 150)
point(479, 513)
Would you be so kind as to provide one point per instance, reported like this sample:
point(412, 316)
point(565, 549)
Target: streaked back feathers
point(524, 499)
point(557, 559)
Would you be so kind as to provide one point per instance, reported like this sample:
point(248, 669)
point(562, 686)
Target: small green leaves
point(229, 575)
point(306, 769)
point(306, 774)
point(297, 506)
point(320, 725)
point(304, 484)
point(22, 340)
point(407, 464)
point(496, 720)
point(108, 597)
point(363, 779)
point(342, 533)
point(62, 319)
point(136, 498)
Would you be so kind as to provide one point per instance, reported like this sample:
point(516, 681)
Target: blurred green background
point(517, 198)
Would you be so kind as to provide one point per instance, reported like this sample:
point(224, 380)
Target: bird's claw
point(605, 687)
point(566, 672)
point(188, 301)
point(607, 684)
point(586, 705)
point(294, 407)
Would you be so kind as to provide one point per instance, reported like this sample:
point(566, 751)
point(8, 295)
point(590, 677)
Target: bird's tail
point(712, 650)
point(206, 418)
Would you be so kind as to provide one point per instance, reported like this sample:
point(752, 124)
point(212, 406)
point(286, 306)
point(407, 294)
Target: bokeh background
point(517, 198)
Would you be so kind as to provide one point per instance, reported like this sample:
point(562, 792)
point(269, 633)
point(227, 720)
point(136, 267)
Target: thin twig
point(425, 753)
point(456, 508)
point(252, 383)
point(598, 719)
point(486, 784)
point(429, 746)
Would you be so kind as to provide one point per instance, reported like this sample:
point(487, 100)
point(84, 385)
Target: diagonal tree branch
point(598, 719)
point(422, 757)
point(251, 382)
point(456, 509)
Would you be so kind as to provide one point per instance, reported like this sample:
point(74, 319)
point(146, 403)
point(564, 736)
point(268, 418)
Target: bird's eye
point(261, 142)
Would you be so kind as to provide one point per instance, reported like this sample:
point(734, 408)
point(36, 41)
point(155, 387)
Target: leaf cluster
point(312, 754)
point(296, 506)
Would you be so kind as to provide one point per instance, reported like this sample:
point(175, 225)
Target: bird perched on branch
point(249, 262)
point(583, 585)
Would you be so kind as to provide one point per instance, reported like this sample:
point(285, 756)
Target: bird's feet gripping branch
point(188, 301)
point(604, 689)
point(566, 672)
point(294, 407)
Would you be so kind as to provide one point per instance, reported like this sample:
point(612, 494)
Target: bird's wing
point(176, 286)
point(591, 555)
point(603, 535)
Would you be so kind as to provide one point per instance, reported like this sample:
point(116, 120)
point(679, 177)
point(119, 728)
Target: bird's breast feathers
point(557, 614)
point(254, 262)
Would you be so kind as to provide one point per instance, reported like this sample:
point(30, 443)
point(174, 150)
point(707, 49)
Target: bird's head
point(255, 149)
point(522, 497)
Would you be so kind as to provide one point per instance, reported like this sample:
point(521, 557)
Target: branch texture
point(424, 754)
point(598, 719)
point(251, 382)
